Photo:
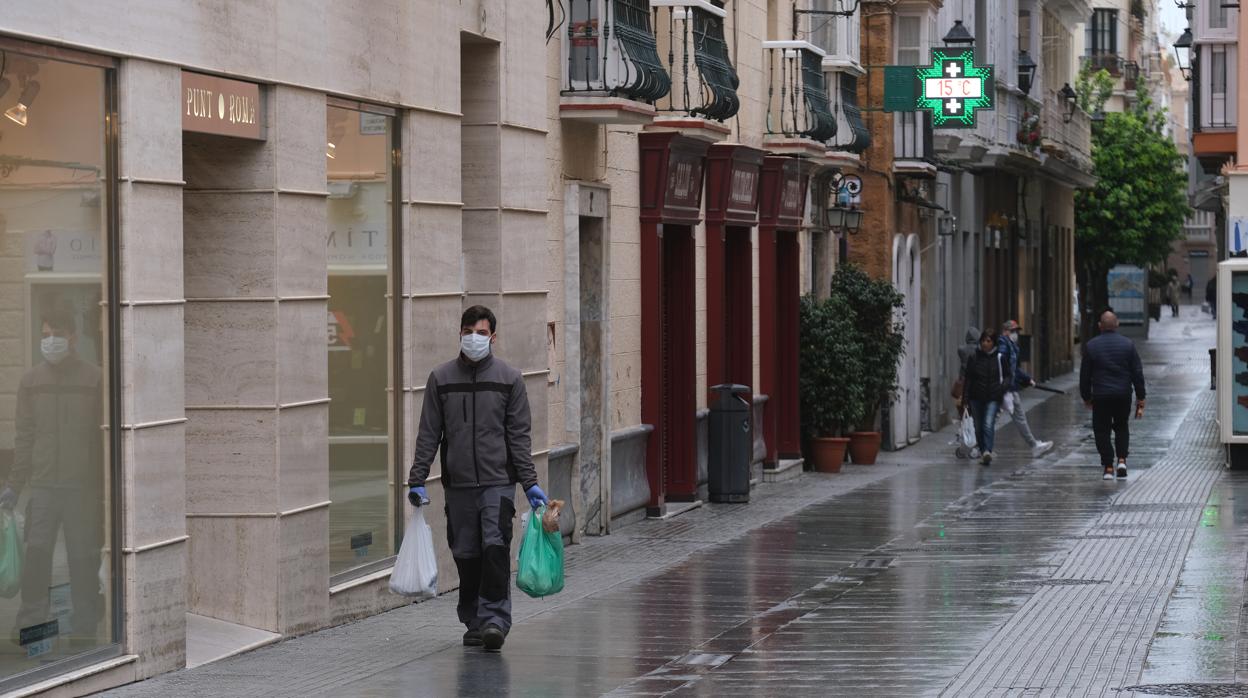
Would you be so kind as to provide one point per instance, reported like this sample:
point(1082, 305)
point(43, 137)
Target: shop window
point(56, 458)
point(359, 339)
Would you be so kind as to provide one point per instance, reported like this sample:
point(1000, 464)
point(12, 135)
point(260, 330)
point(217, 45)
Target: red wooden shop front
point(732, 178)
point(671, 202)
point(782, 203)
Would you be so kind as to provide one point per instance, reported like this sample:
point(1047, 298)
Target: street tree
point(1136, 209)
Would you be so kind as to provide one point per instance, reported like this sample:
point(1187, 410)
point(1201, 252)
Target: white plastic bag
point(416, 571)
point(966, 435)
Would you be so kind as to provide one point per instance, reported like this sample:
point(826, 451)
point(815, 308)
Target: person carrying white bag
point(416, 571)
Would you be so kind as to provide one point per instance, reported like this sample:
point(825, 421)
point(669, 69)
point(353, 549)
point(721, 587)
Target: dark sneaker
point(986, 459)
point(1109, 473)
point(472, 638)
point(492, 637)
point(1122, 469)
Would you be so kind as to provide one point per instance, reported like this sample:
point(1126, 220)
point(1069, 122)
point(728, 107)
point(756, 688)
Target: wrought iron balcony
point(691, 35)
point(1130, 75)
point(1111, 62)
point(797, 99)
point(852, 135)
point(610, 51)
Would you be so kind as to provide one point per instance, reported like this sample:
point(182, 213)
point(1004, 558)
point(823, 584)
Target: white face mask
point(54, 349)
point(474, 346)
point(1014, 337)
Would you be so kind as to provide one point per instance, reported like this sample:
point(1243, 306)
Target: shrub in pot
point(830, 380)
point(875, 307)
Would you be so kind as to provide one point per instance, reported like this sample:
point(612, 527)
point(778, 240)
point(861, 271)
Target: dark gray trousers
point(478, 529)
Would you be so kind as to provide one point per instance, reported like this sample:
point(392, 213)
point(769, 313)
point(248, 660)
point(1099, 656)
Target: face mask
point(1014, 337)
point(474, 346)
point(54, 349)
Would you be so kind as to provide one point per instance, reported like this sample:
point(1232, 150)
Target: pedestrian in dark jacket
point(476, 413)
point(1110, 372)
point(987, 378)
point(1013, 404)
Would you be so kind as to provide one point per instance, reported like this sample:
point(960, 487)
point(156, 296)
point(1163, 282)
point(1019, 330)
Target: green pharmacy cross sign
point(952, 88)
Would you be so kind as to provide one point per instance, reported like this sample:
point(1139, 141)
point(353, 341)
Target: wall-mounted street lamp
point(844, 215)
point(1026, 72)
point(1069, 102)
point(959, 35)
point(1182, 54)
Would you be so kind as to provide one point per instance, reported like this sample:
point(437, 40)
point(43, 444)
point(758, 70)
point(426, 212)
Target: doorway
point(594, 428)
point(230, 315)
point(677, 335)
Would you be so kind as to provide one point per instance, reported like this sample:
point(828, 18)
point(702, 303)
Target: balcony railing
point(1130, 75)
point(1111, 62)
point(912, 136)
point(851, 133)
point(610, 50)
point(797, 99)
point(1071, 141)
point(691, 34)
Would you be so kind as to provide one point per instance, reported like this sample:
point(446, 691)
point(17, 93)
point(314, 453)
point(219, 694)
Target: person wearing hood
point(967, 350)
point(476, 414)
point(1008, 345)
point(987, 377)
point(58, 465)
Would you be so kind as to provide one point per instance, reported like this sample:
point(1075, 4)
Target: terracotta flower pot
point(864, 446)
point(827, 454)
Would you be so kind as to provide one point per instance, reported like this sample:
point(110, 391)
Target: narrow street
point(923, 575)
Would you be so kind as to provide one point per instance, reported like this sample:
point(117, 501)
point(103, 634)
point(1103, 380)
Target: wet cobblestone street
point(923, 575)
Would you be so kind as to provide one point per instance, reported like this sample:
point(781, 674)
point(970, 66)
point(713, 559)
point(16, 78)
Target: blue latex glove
point(8, 498)
point(417, 496)
point(536, 496)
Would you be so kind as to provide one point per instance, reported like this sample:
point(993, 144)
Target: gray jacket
point(59, 440)
point(477, 416)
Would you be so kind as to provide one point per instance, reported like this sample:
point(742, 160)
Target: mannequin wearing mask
point(58, 466)
point(476, 417)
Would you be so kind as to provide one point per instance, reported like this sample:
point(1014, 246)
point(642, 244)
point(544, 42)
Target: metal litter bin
point(731, 445)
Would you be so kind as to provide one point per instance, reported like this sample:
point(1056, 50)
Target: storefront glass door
point(57, 554)
point(359, 339)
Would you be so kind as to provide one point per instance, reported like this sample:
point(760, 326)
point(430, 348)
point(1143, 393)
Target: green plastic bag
point(10, 554)
point(541, 559)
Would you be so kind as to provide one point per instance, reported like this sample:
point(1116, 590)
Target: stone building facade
point(193, 199)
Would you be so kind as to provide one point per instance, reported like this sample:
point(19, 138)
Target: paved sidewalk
point(924, 575)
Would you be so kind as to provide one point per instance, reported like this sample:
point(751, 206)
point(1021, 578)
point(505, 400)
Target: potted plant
point(830, 380)
point(875, 311)
point(1029, 131)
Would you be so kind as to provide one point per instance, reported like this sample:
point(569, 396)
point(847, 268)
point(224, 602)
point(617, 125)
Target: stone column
point(256, 373)
point(153, 440)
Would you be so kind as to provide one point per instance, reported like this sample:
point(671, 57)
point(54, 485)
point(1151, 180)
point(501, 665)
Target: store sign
point(953, 88)
point(221, 106)
point(1128, 293)
point(1236, 234)
point(684, 180)
point(63, 251)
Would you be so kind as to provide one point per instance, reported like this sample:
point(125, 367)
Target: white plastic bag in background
point(416, 570)
point(966, 435)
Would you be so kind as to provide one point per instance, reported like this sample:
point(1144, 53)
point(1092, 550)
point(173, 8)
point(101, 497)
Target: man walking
point(1008, 344)
point(476, 412)
point(1111, 369)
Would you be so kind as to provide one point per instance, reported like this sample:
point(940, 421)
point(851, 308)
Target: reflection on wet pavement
point(936, 577)
point(891, 590)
